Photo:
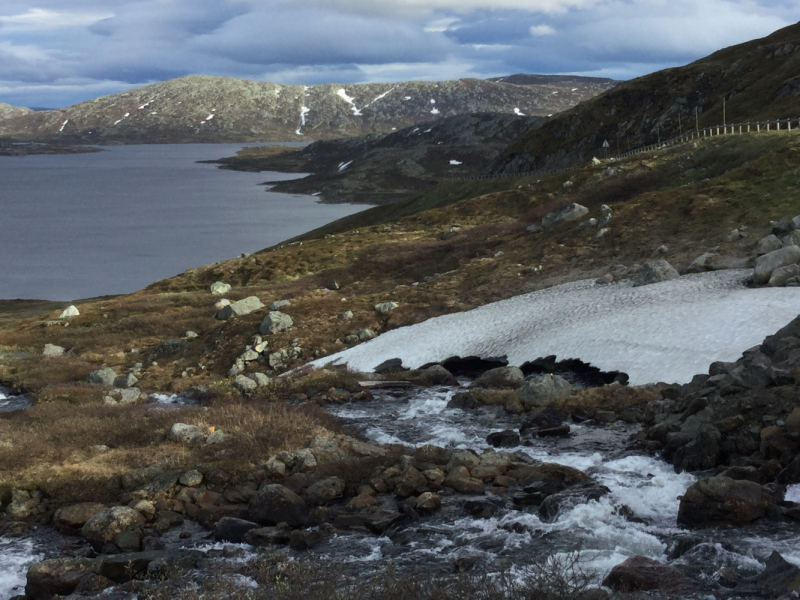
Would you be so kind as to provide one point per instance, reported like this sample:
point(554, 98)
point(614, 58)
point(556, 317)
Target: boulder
point(605, 217)
point(240, 308)
point(702, 263)
point(768, 244)
point(104, 377)
point(71, 518)
point(503, 439)
point(366, 334)
point(216, 437)
point(325, 490)
point(796, 222)
point(346, 315)
point(220, 304)
point(542, 390)
point(274, 322)
point(261, 379)
point(220, 289)
point(22, 504)
point(428, 502)
point(186, 434)
point(50, 350)
point(69, 312)
point(563, 501)
point(781, 226)
point(275, 504)
point(588, 224)
point(641, 574)
point(279, 305)
point(244, 384)
point(437, 375)
point(780, 578)
point(573, 212)
point(56, 576)
point(655, 271)
point(268, 536)
point(793, 239)
point(501, 377)
point(462, 458)
point(105, 525)
point(604, 280)
point(230, 529)
point(125, 396)
point(782, 275)
point(766, 264)
point(125, 381)
point(122, 568)
point(385, 307)
point(720, 500)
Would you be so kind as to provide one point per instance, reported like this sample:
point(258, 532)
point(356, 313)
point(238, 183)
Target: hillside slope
point(757, 80)
point(378, 169)
point(215, 109)
point(7, 111)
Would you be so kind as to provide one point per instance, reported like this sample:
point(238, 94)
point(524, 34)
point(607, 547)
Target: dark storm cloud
point(60, 51)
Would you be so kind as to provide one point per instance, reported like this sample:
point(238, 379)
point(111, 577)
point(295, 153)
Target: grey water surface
point(112, 222)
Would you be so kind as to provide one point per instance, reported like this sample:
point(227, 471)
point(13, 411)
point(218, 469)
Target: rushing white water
point(15, 558)
point(666, 331)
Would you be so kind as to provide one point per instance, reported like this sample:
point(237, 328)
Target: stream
point(638, 517)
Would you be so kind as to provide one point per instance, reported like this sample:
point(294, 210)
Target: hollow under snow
point(667, 331)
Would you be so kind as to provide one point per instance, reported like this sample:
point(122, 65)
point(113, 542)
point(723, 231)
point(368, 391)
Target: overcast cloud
point(57, 52)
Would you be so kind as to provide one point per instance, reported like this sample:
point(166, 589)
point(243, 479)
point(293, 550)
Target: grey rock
point(702, 263)
point(190, 335)
point(501, 377)
point(655, 271)
point(720, 500)
point(244, 383)
point(219, 289)
point(50, 350)
point(275, 504)
point(219, 305)
point(125, 396)
point(240, 308)
point(70, 518)
point(661, 250)
point(601, 233)
point(186, 434)
point(796, 222)
point(366, 334)
point(588, 224)
point(605, 217)
point(731, 236)
point(105, 525)
point(346, 315)
point(385, 307)
point(56, 577)
point(216, 437)
point(230, 529)
point(768, 244)
point(326, 490)
point(126, 381)
point(261, 379)
point(605, 279)
point(782, 275)
point(191, 478)
point(793, 239)
point(573, 212)
point(543, 390)
point(767, 263)
point(782, 226)
point(279, 304)
point(535, 228)
point(274, 322)
point(104, 376)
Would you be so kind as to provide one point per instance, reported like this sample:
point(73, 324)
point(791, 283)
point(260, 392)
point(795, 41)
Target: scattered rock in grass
point(385, 307)
point(186, 434)
point(274, 322)
point(104, 376)
point(366, 334)
point(605, 217)
point(346, 315)
point(125, 396)
point(244, 384)
point(261, 379)
point(573, 212)
point(588, 224)
point(51, 350)
point(240, 308)
point(190, 335)
point(126, 381)
point(219, 288)
point(279, 304)
point(655, 271)
point(222, 304)
point(69, 312)
point(216, 437)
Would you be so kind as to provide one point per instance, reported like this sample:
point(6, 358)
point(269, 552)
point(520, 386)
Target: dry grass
point(49, 446)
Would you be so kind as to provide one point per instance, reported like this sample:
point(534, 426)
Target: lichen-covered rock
point(274, 322)
point(544, 390)
point(70, 518)
point(186, 434)
point(105, 376)
point(501, 377)
point(51, 350)
point(105, 525)
point(385, 307)
point(573, 212)
point(240, 308)
point(57, 577)
point(325, 490)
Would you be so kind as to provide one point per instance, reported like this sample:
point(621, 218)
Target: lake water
point(112, 222)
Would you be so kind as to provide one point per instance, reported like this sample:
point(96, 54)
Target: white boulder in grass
point(51, 350)
point(70, 311)
point(385, 307)
point(241, 308)
point(219, 288)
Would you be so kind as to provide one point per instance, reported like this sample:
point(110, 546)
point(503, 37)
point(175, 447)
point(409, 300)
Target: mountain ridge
point(201, 108)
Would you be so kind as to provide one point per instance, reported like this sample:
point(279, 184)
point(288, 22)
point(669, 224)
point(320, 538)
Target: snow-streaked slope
point(667, 331)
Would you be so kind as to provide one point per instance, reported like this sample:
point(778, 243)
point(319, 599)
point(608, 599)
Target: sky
point(54, 53)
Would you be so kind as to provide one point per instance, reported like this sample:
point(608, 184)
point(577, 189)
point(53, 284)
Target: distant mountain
point(7, 111)
point(377, 169)
point(757, 80)
point(214, 109)
point(601, 83)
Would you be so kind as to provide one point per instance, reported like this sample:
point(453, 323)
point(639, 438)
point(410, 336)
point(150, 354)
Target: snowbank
point(667, 331)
